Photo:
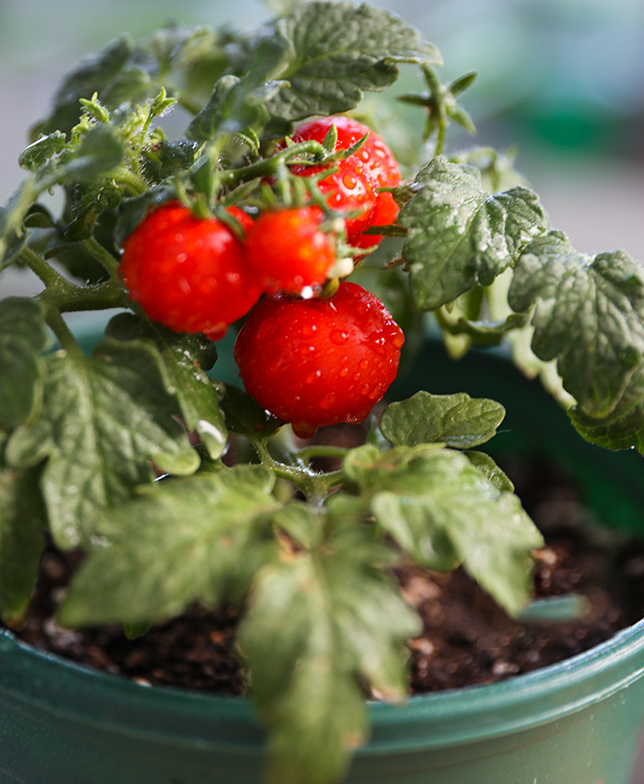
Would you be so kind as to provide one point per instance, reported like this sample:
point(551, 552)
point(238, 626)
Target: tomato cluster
point(310, 360)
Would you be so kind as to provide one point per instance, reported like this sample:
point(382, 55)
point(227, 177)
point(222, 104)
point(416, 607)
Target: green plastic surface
point(578, 722)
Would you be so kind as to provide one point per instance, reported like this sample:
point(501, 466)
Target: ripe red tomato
point(188, 274)
point(353, 186)
point(287, 250)
point(319, 361)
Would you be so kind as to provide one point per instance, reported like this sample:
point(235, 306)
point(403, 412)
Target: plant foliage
point(98, 452)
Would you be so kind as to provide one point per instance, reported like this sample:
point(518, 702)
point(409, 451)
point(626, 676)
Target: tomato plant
point(268, 198)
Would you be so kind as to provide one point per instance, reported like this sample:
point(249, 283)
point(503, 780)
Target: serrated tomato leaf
point(103, 420)
point(346, 621)
point(337, 50)
point(23, 520)
point(22, 338)
point(589, 317)
point(458, 421)
point(183, 360)
point(443, 511)
point(196, 539)
point(458, 236)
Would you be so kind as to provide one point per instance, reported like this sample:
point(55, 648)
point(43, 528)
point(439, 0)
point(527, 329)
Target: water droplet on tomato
point(338, 336)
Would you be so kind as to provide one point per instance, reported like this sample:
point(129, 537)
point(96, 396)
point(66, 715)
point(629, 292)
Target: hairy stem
point(315, 486)
point(103, 256)
point(60, 329)
point(270, 166)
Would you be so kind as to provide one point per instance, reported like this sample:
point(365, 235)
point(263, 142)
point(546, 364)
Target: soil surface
point(467, 638)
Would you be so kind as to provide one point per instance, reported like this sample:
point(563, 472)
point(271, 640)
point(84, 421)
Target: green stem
point(49, 276)
point(315, 486)
point(269, 166)
point(65, 337)
point(103, 256)
point(98, 297)
point(321, 450)
point(440, 136)
point(124, 176)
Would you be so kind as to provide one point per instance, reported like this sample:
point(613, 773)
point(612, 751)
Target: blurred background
point(563, 81)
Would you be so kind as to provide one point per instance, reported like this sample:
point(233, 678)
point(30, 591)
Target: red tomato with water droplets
point(288, 251)
point(189, 274)
point(319, 361)
point(353, 186)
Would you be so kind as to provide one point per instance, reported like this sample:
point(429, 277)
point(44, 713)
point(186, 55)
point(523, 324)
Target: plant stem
point(315, 486)
point(103, 256)
point(97, 297)
point(49, 276)
point(124, 176)
point(270, 166)
point(320, 450)
point(440, 135)
point(65, 337)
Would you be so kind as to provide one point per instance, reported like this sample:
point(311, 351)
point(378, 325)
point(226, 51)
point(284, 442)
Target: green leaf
point(99, 152)
point(40, 151)
point(22, 338)
point(458, 421)
point(337, 50)
point(301, 522)
point(589, 317)
point(93, 74)
point(490, 470)
point(23, 520)
point(196, 539)
point(238, 103)
point(184, 358)
point(12, 235)
point(443, 511)
point(458, 236)
point(346, 620)
point(245, 417)
point(104, 419)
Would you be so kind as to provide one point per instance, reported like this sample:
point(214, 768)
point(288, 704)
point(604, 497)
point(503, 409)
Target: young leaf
point(22, 338)
point(443, 511)
point(184, 358)
point(196, 539)
point(40, 151)
point(458, 236)
point(458, 421)
point(103, 420)
point(336, 51)
point(589, 316)
point(346, 620)
point(23, 520)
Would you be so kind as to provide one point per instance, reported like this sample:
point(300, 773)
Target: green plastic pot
point(578, 722)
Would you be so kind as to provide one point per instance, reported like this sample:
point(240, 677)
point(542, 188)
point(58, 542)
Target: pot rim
point(39, 680)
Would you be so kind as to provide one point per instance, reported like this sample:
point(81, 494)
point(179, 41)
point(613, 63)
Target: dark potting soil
point(467, 638)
